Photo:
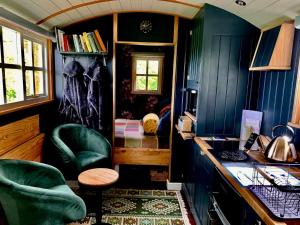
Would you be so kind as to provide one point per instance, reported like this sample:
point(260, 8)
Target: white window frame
point(147, 56)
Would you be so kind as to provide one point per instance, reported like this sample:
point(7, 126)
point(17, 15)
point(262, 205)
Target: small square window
point(147, 73)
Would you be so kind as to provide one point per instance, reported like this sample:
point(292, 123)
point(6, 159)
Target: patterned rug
point(141, 207)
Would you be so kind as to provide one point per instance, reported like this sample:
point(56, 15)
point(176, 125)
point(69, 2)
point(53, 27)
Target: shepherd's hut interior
point(149, 112)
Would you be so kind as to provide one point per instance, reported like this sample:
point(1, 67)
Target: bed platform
point(133, 147)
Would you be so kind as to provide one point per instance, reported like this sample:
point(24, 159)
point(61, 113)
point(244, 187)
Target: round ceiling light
point(240, 2)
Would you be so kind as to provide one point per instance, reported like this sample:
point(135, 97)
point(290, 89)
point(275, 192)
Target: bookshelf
point(85, 44)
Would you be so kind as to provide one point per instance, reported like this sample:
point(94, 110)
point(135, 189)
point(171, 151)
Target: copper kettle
point(281, 148)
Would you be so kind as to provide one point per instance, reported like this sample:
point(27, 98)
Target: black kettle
point(281, 148)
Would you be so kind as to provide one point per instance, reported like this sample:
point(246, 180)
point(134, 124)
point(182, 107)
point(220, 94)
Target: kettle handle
point(285, 126)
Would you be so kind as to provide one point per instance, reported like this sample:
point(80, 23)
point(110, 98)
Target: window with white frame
point(23, 67)
point(147, 72)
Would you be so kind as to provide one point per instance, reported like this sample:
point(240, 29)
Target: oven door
point(227, 202)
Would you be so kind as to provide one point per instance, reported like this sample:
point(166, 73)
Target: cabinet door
point(203, 184)
point(189, 171)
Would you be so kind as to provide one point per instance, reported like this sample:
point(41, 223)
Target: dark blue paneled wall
point(273, 92)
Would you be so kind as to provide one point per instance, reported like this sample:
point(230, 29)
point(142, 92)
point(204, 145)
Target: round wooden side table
point(98, 179)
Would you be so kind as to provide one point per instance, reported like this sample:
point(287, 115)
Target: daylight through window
point(147, 73)
point(23, 66)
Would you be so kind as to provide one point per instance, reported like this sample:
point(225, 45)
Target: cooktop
point(228, 151)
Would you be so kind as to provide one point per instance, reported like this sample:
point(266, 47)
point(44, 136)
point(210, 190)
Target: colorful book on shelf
point(77, 44)
point(83, 44)
point(92, 43)
point(100, 41)
point(66, 47)
point(96, 42)
point(60, 39)
point(71, 43)
point(86, 40)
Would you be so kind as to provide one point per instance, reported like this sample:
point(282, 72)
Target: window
point(23, 68)
point(147, 73)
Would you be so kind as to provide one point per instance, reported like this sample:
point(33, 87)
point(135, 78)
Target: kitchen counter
point(257, 206)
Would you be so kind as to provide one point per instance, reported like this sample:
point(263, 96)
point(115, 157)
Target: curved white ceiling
point(50, 13)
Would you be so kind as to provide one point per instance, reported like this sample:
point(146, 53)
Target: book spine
point(83, 44)
point(75, 43)
point(71, 43)
point(96, 42)
point(61, 40)
point(66, 44)
point(99, 39)
point(93, 45)
point(86, 40)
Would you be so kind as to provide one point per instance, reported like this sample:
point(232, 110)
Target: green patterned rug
point(141, 207)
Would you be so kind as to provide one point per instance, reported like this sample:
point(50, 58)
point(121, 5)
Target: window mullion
point(23, 65)
point(3, 67)
point(146, 75)
point(33, 68)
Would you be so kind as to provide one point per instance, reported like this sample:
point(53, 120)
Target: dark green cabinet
point(199, 173)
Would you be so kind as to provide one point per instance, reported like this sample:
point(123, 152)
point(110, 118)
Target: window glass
point(1, 88)
point(141, 82)
point(11, 46)
point(37, 55)
point(29, 83)
point(27, 52)
point(153, 66)
point(39, 82)
point(14, 85)
point(141, 66)
point(152, 83)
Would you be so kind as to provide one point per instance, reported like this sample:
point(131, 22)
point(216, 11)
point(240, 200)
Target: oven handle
point(219, 212)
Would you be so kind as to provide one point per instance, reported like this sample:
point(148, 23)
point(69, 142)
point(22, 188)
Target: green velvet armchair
point(78, 148)
point(33, 193)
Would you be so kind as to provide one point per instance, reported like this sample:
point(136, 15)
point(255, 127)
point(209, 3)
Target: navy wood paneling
point(275, 91)
point(129, 27)
point(196, 39)
point(219, 61)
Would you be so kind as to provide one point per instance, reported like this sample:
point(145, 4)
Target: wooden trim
point(13, 107)
point(266, 68)
point(185, 135)
point(296, 107)
point(50, 73)
point(101, 1)
point(145, 43)
point(175, 41)
point(275, 23)
point(184, 3)
point(115, 39)
point(141, 156)
point(256, 49)
point(256, 205)
point(191, 116)
point(282, 53)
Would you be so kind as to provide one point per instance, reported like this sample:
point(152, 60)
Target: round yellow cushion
point(150, 123)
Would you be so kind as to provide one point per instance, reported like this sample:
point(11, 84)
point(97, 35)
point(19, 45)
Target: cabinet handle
point(202, 153)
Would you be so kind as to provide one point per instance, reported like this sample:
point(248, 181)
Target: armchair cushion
point(36, 193)
point(79, 148)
